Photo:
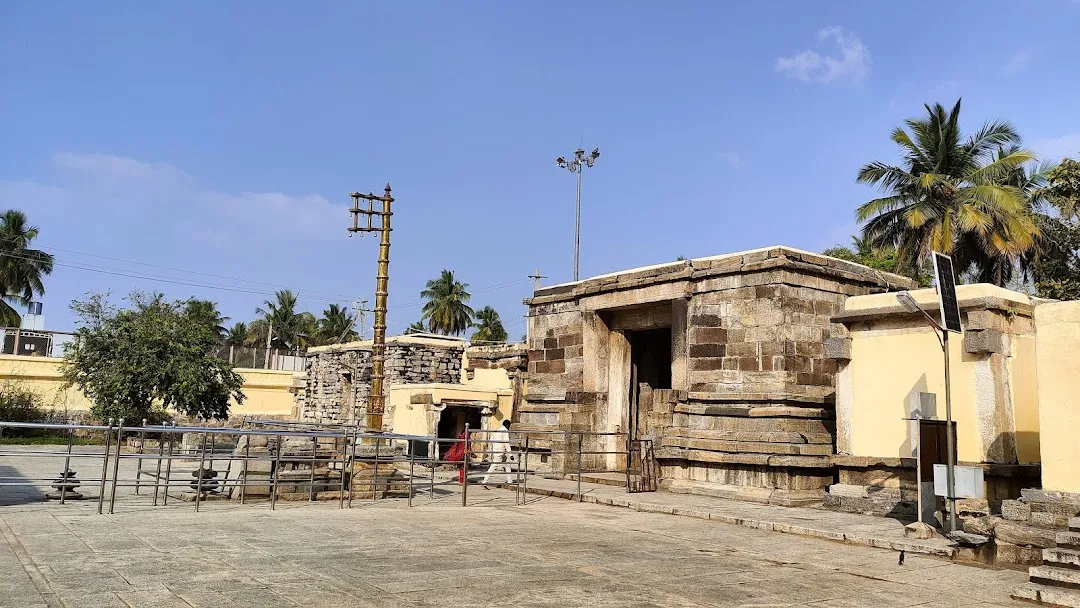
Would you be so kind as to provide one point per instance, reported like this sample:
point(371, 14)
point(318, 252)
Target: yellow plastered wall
point(1057, 326)
point(266, 392)
point(886, 367)
point(891, 360)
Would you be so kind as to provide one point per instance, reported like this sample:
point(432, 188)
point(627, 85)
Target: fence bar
point(244, 469)
point(352, 468)
point(157, 471)
point(465, 469)
point(311, 478)
point(344, 461)
point(168, 468)
point(412, 466)
point(580, 437)
point(277, 468)
point(116, 464)
point(104, 467)
point(200, 472)
point(142, 450)
point(375, 472)
point(525, 480)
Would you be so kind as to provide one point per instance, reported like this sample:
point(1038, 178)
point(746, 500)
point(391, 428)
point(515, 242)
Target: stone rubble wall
point(338, 381)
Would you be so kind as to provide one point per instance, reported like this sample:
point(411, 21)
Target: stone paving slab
point(852, 528)
point(549, 552)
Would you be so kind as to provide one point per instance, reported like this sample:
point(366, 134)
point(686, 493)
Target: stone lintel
point(770, 460)
point(754, 411)
point(742, 397)
point(898, 311)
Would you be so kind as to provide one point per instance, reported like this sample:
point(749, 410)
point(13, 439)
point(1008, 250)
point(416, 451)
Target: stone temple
point(722, 362)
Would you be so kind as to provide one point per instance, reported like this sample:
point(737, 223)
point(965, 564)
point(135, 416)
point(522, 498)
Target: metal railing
point(272, 461)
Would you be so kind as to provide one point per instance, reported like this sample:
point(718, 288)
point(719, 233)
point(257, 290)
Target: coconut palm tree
point(289, 328)
point(950, 194)
point(336, 325)
point(21, 268)
point(489, 327)
point(416, 327)
point(207, 311)
point(237, 335)
point(446, 310)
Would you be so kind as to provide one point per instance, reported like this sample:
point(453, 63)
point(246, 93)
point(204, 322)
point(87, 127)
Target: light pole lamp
point(908, 301)
point(576, 163)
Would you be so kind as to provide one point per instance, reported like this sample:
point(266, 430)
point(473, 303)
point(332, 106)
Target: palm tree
point(489, 327)
point(416, 327)
point(446, 310)
point(289, 328)
point(238, 334)
point(21, 268)
point(950, 194)
point(336, 325)
point(207, 311)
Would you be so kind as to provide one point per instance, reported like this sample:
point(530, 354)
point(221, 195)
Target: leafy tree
point(21, 268)
point(416, 327)
point(139, 362)
point(1055, 267)
point(489, 327)
point(885, 259)
point(208, 312)
point(446, 310)
point(290, 329)
point(336, 325)
point(951, 194)
point(238, 334)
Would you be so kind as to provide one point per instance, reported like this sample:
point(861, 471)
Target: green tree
point(416, 327)
point(21, 268)
point(1055, 266)
point(489, 327)
point(290, 329)
point(336, 325)
point(447, 310)
point(208, 312)
point(141, 361)
point(238, 334)
point(951, 194)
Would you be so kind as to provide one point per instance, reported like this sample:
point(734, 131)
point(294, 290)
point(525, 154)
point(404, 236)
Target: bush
point(18, 404)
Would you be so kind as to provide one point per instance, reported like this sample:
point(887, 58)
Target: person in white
point(501, 457)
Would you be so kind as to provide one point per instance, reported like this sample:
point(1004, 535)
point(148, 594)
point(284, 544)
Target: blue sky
point(224, 138)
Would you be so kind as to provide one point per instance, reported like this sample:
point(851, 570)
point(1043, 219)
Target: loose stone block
point(1014, 510)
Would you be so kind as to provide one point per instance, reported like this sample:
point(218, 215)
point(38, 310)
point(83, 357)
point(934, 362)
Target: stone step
point(1074, 524)
point(1047, 595)
point(1068, 540)
point(1058, 577)
point(1064, 558)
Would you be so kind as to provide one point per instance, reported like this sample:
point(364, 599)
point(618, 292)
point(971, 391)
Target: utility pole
point(536, 276)
point(575, 165)
point(376, 399)
point(358, 306)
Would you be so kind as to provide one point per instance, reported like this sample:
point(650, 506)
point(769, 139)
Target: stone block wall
point(752, 383)
point(337, 379)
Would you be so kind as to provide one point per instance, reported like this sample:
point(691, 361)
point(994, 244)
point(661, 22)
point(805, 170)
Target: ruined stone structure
point(337, 378)
point(721, 361)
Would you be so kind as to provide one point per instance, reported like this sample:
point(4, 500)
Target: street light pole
point(908, 301)
point(575, 165)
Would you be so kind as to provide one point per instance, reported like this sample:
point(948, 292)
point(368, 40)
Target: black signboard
point(946, 287)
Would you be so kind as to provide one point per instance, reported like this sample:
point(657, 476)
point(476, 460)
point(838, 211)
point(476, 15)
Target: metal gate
point(642, 472)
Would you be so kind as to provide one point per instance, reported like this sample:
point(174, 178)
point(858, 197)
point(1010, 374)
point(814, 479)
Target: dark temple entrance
point(650, 371)
point(452, 421)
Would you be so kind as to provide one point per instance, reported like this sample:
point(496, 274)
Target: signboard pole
point(950, 440)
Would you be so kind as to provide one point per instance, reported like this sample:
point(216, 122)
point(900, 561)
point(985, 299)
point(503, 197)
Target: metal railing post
point(352, 467)
point(157, 471)
point(142, 450)
point(465, 468)
point(344, 462)
point(580, 437)
point(67, 464)
point(244, 468)
point(274, 480)
point(433, 448)
point(525, 479)
point(200, 472)
point(168, 467)
point(375, 471)
point(311, 478)
point(116, 465)
point(412, 467)
point(105, 467)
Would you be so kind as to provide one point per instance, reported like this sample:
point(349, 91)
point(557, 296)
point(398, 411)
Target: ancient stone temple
point(337, 380)
point(720, 361)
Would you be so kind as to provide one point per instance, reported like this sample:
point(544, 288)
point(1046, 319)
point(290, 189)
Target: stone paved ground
point(550, 552)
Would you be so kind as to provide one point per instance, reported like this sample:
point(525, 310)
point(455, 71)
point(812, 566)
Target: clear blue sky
point(224, 137)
